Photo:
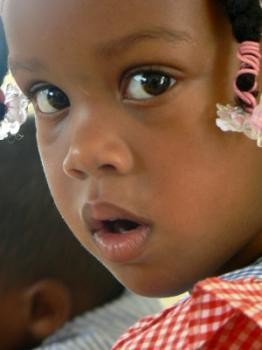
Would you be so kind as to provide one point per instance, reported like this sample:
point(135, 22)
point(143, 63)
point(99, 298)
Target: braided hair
point(246, 19)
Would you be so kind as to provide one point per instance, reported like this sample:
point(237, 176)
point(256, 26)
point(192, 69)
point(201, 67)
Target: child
point(132, 142)
point(46, 277)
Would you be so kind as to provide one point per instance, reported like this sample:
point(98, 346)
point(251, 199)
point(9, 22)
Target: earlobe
point(50, 307)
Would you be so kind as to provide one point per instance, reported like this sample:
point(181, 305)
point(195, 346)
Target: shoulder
point(227, 307)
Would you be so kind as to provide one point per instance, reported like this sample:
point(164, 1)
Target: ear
point(50, 307)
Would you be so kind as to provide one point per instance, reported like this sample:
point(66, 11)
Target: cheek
point(198, 180)
point(52, 155)
point(60, 185)
point(67, 192)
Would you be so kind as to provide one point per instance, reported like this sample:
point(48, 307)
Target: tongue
point(121, 226)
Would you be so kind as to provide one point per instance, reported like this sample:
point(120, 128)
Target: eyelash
point(34, 88)
point(41, 87)
point(142, 76)
point(144, 73)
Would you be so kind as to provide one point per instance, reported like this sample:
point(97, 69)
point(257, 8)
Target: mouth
point(119, 235)
point(116, 226)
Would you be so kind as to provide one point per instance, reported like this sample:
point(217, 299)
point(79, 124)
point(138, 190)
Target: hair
point(35, 242)
point(245, 17)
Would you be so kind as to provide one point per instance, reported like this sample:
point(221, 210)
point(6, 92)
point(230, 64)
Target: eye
point(145, 85)
point(49, 99)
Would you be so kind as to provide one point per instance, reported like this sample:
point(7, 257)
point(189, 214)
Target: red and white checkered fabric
point(220, 315)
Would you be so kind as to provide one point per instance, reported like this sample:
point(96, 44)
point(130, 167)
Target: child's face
point(132, 129)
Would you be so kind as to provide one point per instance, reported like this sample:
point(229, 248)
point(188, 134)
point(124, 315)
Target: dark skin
point(159, 157)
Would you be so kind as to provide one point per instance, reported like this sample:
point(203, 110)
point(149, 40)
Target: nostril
point(74, 172)
point(97, 155)
point(72, 165)
point(77, 174)
point(107, 167)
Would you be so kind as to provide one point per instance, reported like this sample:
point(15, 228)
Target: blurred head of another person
point(46, 277)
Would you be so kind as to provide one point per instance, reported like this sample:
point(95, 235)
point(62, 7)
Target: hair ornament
point(245, 119)
point(13, 110)
point(249, 56)
point(236, 119)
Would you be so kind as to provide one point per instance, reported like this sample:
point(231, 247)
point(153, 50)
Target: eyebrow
point(31, 65)
point(125, 43)
point(114, 47)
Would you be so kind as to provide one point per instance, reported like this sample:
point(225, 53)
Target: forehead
point(38, 11)
point(39, 23)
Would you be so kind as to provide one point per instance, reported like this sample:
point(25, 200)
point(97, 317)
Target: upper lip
point(94, 215)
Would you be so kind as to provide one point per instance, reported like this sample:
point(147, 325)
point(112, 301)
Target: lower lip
point(122, 247)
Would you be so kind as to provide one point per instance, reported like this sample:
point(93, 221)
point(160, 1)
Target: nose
point(96, 147)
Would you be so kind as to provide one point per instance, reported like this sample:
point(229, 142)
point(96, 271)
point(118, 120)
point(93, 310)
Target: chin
point(152, 287)
point(155, 291)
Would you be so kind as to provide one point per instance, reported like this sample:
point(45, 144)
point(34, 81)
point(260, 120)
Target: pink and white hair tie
point(13, 111)
point(247, 119)
point(250, 57)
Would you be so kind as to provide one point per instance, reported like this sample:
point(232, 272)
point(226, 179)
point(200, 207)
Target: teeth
point(121, 226)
